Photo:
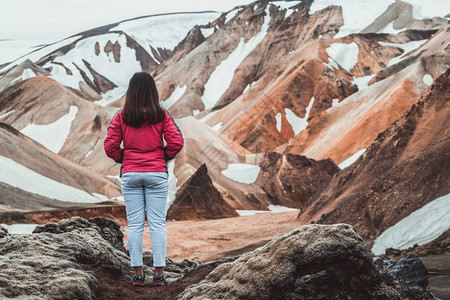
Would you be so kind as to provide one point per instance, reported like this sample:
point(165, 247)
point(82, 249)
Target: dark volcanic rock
point(409, 275)
point(109, 229)
point(311, 262)
point(197, 198)
point(3, 232)
point(299, 177)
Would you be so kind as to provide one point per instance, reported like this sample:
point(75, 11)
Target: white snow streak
point(217, 126)
point(286, 5)
point(298, 124)
point(207, 31)
point(278, 119)
point(420, 227)
point(5, 114)
point(52, 136)
point(244, 173)
point(174, 97)
point(27, 73)
point(346, 55)
point(222, 76)
point(349, 161)
point(25, 179)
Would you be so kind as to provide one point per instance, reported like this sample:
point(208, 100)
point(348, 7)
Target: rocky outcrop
point(108, 229)
point(3, 232)
point(311, 262)
point(406, 167)
point(199, 199)
point(299, 177)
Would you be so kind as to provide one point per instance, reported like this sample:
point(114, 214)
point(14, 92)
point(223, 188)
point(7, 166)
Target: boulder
point(311, 262)
point(109, 229)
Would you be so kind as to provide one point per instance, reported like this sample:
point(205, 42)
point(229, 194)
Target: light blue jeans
point(146, 191)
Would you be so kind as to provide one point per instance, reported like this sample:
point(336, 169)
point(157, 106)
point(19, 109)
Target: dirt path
point(212, 239)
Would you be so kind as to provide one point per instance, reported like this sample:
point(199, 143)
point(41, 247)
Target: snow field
point(420, 227)
point(349, 161)
point(52, 136)
point(244, 173)
point(230, 15)
point(346, 55)
point(221, 78)
point(25, 179)
point(35, 55)
point(164, 31)
point(298, 124)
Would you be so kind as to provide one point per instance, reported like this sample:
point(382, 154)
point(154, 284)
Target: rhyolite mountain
point(271, 98)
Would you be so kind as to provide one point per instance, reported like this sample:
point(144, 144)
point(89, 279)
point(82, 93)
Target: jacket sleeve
point(173, 137)
point(113, 139)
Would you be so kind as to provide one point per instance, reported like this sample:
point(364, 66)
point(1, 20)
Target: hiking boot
point(159, 280)
point(138, 280)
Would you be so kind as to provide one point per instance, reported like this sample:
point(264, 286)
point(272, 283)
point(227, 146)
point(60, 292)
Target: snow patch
point(427, 79)
point(20, 228)
point(244, 173)
point(52, 136)
point(248, 87)
point(278, 119)
point(217, 126)
point(362, 82)
point(174, 97)
point(335, 102)
point(195, 112)
point(298, 124)
point(230, 15)
point(272, 209)
point(173, 188)
point(349, 161)
point(390, 29)
point(429, 8)
point(286, 5)
point(101, 197)
point(103, 63)
point(346, 55)
point(222, 76)
point(280, 208)
point(25, 179)
point(26, 74)
point(207, 31)
point(407, 47)
point(420, 227)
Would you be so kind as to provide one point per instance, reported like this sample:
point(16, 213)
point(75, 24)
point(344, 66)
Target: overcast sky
point(53, 20)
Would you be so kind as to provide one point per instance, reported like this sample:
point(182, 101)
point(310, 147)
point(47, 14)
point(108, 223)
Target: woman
point(142, 125)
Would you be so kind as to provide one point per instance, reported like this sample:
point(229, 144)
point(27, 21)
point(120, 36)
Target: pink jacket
point(143, 148)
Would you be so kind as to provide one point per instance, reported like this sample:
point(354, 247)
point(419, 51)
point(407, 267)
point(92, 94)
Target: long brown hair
point(142, 101)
